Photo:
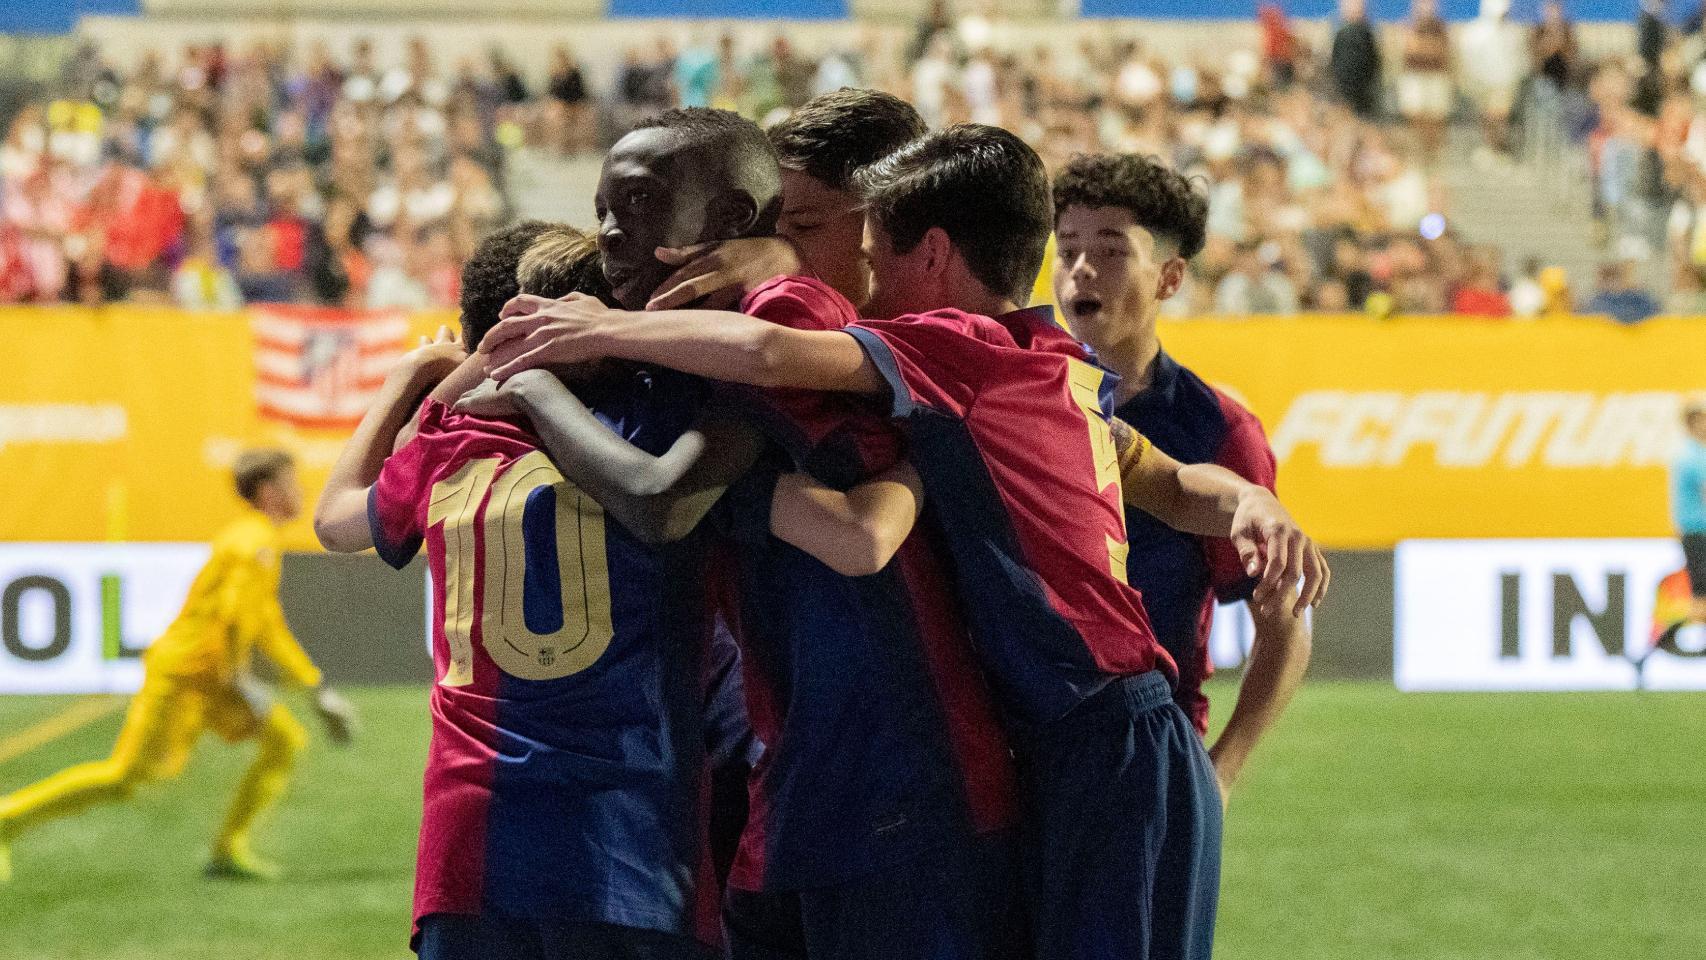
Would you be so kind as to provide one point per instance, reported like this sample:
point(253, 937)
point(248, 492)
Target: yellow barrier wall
point(121, 421)
point(1451, 427)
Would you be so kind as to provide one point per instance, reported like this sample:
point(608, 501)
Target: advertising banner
point(1459, 428)
point(122, 422)
point(1538, 615)
point(75, 617)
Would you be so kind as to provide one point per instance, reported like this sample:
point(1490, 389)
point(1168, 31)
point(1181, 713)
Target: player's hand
point(433, 358)
point(1285, 561)
point(538, 332)
point(489, 399)
point(716, 275)
point(255, 694)
point(337, 713)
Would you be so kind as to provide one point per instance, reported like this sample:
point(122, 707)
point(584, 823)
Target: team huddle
point(798, 592)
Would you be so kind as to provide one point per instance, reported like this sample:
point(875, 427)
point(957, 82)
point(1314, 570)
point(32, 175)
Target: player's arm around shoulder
point(657, 498)
point(340, 515)
point(720, 345)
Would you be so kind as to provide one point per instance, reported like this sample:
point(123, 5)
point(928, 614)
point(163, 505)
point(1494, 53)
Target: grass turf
point(1371, 825)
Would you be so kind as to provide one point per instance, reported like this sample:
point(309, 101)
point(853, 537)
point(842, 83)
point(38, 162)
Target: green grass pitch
point(1371, 825)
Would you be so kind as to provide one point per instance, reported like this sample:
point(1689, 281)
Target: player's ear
point(935, 251)
point(1172, 278)
point(731, 214)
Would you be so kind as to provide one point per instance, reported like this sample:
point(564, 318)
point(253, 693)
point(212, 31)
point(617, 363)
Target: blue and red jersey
point(880, 734)
point(565, 779)
point(1181, 575)
point(1007, 422)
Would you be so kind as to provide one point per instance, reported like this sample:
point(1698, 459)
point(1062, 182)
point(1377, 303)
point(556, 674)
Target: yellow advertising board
point(1456, 427)
point(121, 422)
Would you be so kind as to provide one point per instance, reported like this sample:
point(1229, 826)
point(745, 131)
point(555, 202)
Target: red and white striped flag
point(321, 367)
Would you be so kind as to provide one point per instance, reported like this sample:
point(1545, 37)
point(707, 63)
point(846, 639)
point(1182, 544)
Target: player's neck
point(1134, 360)
point(275, 516)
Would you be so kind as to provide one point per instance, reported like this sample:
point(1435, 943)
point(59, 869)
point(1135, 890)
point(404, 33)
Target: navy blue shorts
point(453, 936)
point(958, 901)
point(1122, 845)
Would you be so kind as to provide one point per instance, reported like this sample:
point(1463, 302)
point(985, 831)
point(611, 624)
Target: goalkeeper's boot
point(238, 862)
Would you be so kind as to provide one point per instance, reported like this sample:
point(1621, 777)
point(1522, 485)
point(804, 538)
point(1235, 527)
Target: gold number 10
point(583, 578)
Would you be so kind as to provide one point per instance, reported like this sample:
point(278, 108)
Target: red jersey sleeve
point(802, 419)
point(1245, 451)
point(933, 360)
point(802, 303)
point(397, 500)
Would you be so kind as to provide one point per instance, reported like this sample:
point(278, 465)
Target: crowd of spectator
point(263, 174)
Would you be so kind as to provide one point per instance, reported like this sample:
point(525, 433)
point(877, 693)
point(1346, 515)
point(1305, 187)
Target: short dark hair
point(488, 278)
point(1159, 199)
point(835, 135)
point(983, 186)
point(560, 262)
point(748, 161)
point(255, 467)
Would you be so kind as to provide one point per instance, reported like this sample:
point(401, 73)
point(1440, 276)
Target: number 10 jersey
point(565, 773)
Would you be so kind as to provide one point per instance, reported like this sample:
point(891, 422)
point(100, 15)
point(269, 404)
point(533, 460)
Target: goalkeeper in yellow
point(198, 676)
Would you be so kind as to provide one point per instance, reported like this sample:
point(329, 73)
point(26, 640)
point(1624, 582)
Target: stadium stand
point(1392, 177)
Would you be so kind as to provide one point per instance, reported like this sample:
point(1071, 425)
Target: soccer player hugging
point(563, 795)
point(1010, 424)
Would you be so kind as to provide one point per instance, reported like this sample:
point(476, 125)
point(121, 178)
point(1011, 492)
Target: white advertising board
point(75, 617)
point(1537, 615)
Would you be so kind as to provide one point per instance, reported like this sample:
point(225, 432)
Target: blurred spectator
point(1255, 285)
point(1493, 66)
point(1355, 61)
point(1425, 92)
point(1552, 46)
point(567, 88)
point(1281, 48)
point(200, 282)
point(1552, 50)
point(1527, 296)
point(1481, 294)
point(1616, 295)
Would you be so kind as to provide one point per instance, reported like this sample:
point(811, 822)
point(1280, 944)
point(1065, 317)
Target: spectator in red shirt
point(1481, 293)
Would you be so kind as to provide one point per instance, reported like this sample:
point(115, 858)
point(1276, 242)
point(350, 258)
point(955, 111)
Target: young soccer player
point(1124, 228)
point(199, 677)
point(1009, 423)
point(820, 146)
point(563, 792)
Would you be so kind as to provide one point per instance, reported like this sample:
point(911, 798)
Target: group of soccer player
point(788, 408)
point(798, 592)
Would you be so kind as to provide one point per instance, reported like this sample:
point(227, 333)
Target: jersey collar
point(1163, 389)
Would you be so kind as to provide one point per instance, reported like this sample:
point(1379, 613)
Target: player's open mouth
point(1084, 306)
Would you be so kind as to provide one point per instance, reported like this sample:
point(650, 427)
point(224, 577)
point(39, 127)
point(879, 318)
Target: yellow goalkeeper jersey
point(233, 609)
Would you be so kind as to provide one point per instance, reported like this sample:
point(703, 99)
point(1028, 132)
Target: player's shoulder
point(250, 536)
point(441, 426)
point(1214, 407)
point(974, 326)
point(805, 303)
